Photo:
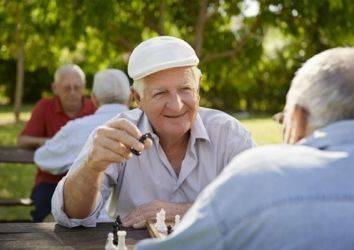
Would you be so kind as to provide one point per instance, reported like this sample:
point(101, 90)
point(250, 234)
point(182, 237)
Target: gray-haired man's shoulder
point(262, 176)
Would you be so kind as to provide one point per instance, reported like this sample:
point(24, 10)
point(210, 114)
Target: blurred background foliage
point(249, 49)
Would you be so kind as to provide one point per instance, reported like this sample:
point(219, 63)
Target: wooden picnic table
point(53, 236)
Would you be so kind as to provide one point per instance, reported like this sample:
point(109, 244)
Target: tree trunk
point(199, 27)
point(19, 75)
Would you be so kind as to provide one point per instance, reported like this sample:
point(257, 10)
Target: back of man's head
point(324, 86)
point(111, 86)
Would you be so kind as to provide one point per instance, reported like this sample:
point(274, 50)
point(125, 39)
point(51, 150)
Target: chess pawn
point(121, 240)
point(177, 221)
point(109, 244)
point(160, 222)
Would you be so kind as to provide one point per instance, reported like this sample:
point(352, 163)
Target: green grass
point(16, 180)
point(264, 130)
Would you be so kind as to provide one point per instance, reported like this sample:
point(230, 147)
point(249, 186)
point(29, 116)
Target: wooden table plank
point(16, 155)
point(50, 235)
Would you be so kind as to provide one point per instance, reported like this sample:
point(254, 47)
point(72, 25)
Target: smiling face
point(171, 101)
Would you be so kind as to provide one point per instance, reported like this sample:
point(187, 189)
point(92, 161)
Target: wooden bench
point(21, 156)
point(16, 155)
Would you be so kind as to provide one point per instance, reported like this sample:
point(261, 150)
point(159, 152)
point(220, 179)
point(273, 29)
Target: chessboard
point(150, 225)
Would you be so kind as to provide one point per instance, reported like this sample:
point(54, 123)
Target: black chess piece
point(115, 236)
point(141, 139)
point(117, 226)
point(169, 229)
point(119, 223)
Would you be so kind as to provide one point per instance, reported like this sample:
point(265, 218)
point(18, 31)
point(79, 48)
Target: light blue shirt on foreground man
point(288, 196)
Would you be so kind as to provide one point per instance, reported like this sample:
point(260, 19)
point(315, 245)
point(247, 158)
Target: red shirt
point(46, 120)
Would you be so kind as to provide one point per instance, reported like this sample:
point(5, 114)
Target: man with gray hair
point(187, 148)
point(110, 94)
point(47, 117)
point(288, 196)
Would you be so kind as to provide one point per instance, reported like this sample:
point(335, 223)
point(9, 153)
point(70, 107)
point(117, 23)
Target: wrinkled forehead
point(70, 78)
point(169, 77)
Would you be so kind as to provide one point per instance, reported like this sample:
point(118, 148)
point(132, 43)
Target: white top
point(215, 139)
point(58, 153)
point(160, 53)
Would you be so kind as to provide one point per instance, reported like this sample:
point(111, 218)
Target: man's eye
point(158, 94)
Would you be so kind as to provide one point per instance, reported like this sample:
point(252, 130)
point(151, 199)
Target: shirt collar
point(111, 108)
point(198, 130)
point(337, 133)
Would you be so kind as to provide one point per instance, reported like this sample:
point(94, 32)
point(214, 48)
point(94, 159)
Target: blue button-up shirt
point(277, 197)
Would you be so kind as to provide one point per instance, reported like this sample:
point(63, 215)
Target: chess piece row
point(161, 225)
point(121, 241)
point(116, 240)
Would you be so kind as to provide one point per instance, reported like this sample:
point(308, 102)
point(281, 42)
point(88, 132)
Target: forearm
point(80, 192)
point(31, 142)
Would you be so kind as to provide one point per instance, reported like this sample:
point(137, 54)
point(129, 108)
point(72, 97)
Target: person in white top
point(188, 148)
point(110, 93)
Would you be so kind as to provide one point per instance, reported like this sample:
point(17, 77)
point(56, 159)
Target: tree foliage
point(247, 59)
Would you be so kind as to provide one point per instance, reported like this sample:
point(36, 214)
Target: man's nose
point(175, 102)
point(72, 90)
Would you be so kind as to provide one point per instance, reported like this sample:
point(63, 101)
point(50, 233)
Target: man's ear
point(298, 127)
point(94, 100)
point(54, 88)
point(199, 84)
point(135, 96)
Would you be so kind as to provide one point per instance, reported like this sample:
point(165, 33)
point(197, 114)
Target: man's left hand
point(137, 217)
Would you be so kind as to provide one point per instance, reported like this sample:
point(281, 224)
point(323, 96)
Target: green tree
point(248, 49)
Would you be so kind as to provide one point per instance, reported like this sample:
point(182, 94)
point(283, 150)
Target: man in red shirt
point(48, 116)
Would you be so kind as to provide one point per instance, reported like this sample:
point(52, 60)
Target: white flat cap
point(159, 53)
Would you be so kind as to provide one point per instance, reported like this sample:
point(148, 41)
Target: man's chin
point(176, 130)
point(73, 106)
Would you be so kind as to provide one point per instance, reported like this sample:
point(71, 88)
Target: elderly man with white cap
point(189, 146)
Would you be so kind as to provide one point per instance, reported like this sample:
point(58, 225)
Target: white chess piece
point(121, 240)
point(109, 243)
point(177, 220)
point(160, 222)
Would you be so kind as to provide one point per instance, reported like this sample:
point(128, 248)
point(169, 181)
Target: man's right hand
point(112, 143)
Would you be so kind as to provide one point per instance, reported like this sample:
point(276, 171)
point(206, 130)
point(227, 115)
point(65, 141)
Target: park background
point(249, 51)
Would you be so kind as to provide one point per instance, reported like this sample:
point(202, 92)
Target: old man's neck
point(175, 149)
